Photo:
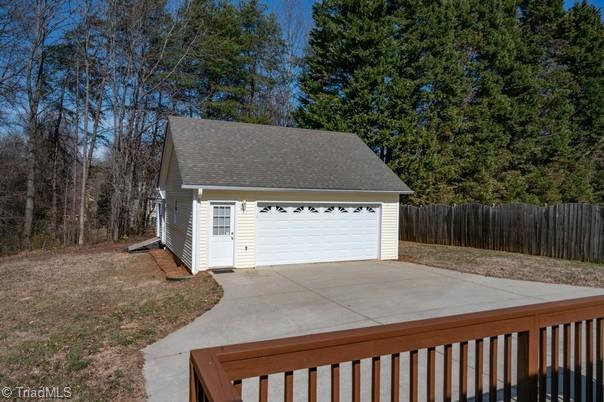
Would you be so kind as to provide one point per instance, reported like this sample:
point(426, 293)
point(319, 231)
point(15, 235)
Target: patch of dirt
point(503, 264)
point(80, 317)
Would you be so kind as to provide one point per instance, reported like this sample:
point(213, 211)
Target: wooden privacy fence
point(570, 231)
point(531, 353)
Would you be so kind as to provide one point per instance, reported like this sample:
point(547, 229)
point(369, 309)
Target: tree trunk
point(34, 93)
point(55, 166)
point(65, 198)
point(83, 195)
point(53, 186)
point(73, 229)
point(83, 202)
point(31, 171)
point(86, 168)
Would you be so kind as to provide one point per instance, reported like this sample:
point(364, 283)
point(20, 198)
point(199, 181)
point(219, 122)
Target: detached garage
point(244, 195)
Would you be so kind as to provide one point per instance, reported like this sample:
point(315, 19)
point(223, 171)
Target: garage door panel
point(273, 229)
point(287, 237)
point(319, 243)
point(311, 233)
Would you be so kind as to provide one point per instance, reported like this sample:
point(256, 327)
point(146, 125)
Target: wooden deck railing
point(548, 350)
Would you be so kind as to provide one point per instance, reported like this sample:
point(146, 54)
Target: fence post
point(528, 362)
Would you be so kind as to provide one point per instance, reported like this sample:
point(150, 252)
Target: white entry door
point(302, 233)
point(222, 235)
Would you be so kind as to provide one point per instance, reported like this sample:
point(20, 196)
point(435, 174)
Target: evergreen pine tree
point(232, 61)
point(466, 101)
point(349, 70)
point(583, 55)
point(554, 175)
point(357, 78)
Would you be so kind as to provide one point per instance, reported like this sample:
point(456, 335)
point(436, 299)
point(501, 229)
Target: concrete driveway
point(294, 300)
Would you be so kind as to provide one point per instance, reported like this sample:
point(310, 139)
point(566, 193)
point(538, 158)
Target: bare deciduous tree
point(85, 89)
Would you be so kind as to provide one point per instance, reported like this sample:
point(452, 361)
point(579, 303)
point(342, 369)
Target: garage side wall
point(389, 240)
point(179, 217)
point(245, 220)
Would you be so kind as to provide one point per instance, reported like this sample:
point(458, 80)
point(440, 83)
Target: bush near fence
point(569, 231)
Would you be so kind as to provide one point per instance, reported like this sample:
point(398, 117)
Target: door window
point(221, 225)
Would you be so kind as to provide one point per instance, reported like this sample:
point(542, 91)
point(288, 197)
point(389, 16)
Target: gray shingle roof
point(219, 153)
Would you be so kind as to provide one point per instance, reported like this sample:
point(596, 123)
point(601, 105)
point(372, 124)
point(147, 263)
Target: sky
point(597, 3)
point(305, 8)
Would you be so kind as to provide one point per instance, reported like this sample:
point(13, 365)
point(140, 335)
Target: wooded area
point(468, 101)
point(85, 88)
point(569, 231)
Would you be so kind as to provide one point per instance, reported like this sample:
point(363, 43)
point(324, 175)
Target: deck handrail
point(216, 373)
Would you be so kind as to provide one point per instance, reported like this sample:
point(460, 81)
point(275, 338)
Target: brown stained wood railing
point(540, 335)
point(463, 372)
point(507, 368)
point(413, 375)
point(395, 377)
point(478, 372)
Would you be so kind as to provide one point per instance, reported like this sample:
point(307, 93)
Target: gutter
point(279, 189)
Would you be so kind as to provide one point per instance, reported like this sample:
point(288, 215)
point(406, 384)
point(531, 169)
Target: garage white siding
point(179, 217)
point(390, 223)
point(245, 228)
point(202, 234)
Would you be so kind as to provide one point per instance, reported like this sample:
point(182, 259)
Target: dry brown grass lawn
point(504, 265)
point(80, 318)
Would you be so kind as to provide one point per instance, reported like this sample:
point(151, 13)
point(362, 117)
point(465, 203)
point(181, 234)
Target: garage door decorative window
point(300, 209)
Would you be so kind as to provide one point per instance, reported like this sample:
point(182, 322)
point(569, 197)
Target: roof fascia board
point(238, 188)
point(166, 155)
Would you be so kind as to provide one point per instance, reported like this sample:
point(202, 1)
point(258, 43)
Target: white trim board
point(237, 188)
point(194, 235)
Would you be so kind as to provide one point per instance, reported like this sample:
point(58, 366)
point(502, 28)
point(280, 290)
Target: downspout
point(158, 219)
point(161, 217)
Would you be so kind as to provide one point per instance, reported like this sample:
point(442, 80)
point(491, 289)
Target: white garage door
point(300, 233)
